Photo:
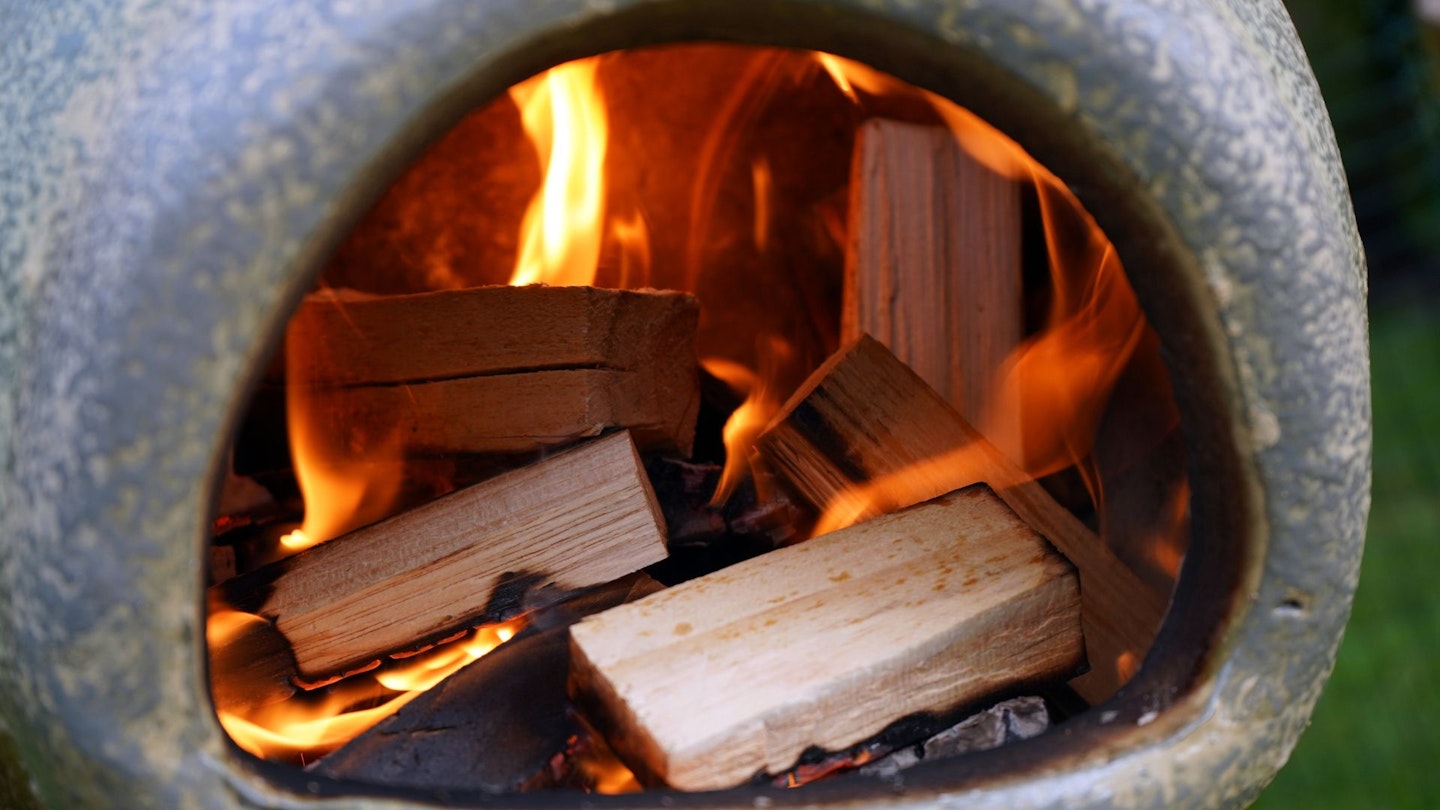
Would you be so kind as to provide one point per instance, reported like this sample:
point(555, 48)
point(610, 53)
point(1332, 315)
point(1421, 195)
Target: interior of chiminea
point(799, 201)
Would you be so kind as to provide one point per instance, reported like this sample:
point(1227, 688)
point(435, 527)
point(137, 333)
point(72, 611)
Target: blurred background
point(1375, 738)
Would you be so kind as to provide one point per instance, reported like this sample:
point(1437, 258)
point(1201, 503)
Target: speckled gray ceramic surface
point(171, 169)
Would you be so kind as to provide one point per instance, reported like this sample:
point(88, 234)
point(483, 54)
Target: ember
point(738, 263)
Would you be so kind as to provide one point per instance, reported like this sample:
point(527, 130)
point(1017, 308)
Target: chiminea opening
point(177, 182)
point(786, 294)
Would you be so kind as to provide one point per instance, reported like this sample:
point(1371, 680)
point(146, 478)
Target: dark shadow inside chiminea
point(800, 201)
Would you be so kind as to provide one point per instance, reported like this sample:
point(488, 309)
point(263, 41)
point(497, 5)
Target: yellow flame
point(564, 115)
point(764, 390)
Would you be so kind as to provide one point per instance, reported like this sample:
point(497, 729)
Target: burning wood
point(865, 435)
point(714, 680)
point(911, 741)
point(1010, 721)
point(581, 517)
point(933, 260)
point(501, 369)
point(496, 723)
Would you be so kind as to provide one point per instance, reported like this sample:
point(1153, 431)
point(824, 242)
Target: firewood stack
point(952, 580)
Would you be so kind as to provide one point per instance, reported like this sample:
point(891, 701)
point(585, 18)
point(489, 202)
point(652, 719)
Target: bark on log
point(865, 435)
point(579, 518)
point(933, 266)
point(828, 642)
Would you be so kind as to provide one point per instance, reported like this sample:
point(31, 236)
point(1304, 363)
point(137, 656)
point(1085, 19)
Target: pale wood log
point(578, 518)
point(827, 642)
point(501, 369)
point(933, 263)
point(865, 435)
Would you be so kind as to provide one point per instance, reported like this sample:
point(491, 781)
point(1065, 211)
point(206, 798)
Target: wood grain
point(500, 369)
point(581, 517)
point(933, 265)
point(865, 435)
point(827, 642)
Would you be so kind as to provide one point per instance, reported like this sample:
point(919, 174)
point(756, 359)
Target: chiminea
point(177, 176)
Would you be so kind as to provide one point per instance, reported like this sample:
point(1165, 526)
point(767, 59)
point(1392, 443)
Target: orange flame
point(776, 374)
point(980, 140)
point(1167, 545)
point(761, 179)
point(311, 726)
point(1055, 386)
point(633, 236)
point(1053, 390)
point(1046, 403)
point(564, 115)
point(604, 772)
point(348, 478)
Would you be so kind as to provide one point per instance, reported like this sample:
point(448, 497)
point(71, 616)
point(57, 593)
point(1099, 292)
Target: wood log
point(501, 369)
point(828, 642)
point(865, 435)
point(933, 265)
point(578, 518)
point(493, 725)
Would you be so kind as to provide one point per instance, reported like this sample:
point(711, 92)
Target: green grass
point(1375, 739)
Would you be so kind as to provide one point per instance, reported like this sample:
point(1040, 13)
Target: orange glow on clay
point(1165, 545)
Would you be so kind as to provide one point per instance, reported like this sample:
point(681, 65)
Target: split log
point(500, 369)
point(739, 672)
point(581, 517)
point(933, 266)
point(493, 725)
point(865, 435)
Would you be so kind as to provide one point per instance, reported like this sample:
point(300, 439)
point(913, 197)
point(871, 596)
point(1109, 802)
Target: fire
point(308, 726)
point(598, 766)
point(982, 141)
point(1053, 390)
point(633, 236)
point(564, 116)
point(347, 478)
point(762, 179)
point(584, 224)
point(1055, 387)
point(763, 390)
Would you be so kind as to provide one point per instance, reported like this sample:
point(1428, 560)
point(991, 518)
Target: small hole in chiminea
point(690, 417)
